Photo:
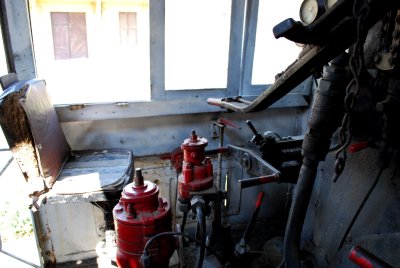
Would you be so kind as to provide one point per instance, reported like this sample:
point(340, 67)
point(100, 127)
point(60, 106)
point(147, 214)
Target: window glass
point(92, 51)
point(272, 56)
point(196, 43)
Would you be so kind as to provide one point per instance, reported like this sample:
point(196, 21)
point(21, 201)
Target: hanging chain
point(356, 65)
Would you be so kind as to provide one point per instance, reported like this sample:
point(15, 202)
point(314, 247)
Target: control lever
point(242, 247)
point(245, 183)
point(257, 138)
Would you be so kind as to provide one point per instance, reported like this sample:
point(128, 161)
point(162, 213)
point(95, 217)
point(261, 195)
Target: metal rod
point(6, 165)
point(365, 259)
point(19, 259)
point(219, 170)
point(245, 183)
point(250, 225)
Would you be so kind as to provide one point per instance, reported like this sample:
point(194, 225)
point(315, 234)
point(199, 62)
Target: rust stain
point(76, 107)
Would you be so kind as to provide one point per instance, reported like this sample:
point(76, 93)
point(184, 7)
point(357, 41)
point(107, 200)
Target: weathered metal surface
point(252, 162)
point(139, 135)
point(96, 112)
point(63, 229)
point(332, 207)
point(17, 38)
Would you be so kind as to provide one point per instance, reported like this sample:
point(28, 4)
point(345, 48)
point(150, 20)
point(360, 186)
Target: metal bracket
point(252, 161)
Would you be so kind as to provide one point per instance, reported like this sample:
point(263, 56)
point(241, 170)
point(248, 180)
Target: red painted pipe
point(245, 183)
point(365, 259)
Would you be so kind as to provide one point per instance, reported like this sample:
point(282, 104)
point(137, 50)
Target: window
point(69, 35)
point(101, 49)
point(158, 50)
point(127, 28)
point(271, 55)
point(196, 43)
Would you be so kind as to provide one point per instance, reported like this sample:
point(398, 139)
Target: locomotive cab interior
point(180, 133)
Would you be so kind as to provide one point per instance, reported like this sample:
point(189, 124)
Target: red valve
point(141, 214)
point(197, 170)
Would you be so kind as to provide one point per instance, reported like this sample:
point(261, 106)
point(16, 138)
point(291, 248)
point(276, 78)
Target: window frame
point(157, 61)
point(243, 27)
point(243, 30)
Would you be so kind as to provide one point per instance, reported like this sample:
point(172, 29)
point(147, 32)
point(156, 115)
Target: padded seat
point(34, 134)
point(92, 171)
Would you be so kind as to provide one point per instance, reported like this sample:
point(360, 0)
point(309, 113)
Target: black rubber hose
point(146, 254)
point(184, 218)
point(202, 224)
point(298, 212)
point(325, 116)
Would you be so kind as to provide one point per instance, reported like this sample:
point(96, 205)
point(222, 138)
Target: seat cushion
point(90, 171)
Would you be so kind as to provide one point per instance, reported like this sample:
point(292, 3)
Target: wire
point(202, 225)
point(360, 207)
point(148, 243)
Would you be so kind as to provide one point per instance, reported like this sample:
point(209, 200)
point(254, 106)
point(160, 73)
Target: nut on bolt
point(183, 207)
point(197, 201)
point(246, 161)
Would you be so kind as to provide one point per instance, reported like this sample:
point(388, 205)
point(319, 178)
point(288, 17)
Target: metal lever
point(242, 247)
point(245, 183)
point(257, 138)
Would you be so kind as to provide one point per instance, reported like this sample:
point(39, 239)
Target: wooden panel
point(78, 36)
point(69, 35)
point(59, 22)
point(128, 28)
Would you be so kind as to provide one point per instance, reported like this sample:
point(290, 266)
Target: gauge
point(329, 3)
point(310, 10)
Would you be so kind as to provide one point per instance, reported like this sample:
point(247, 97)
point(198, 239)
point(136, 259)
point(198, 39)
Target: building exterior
point(96, 42)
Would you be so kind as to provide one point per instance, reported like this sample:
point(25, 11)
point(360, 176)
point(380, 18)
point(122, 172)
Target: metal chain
point(356, 65)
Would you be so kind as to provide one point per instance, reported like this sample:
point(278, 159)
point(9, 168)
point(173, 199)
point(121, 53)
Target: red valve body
point(139, 215)
point(197, 175)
